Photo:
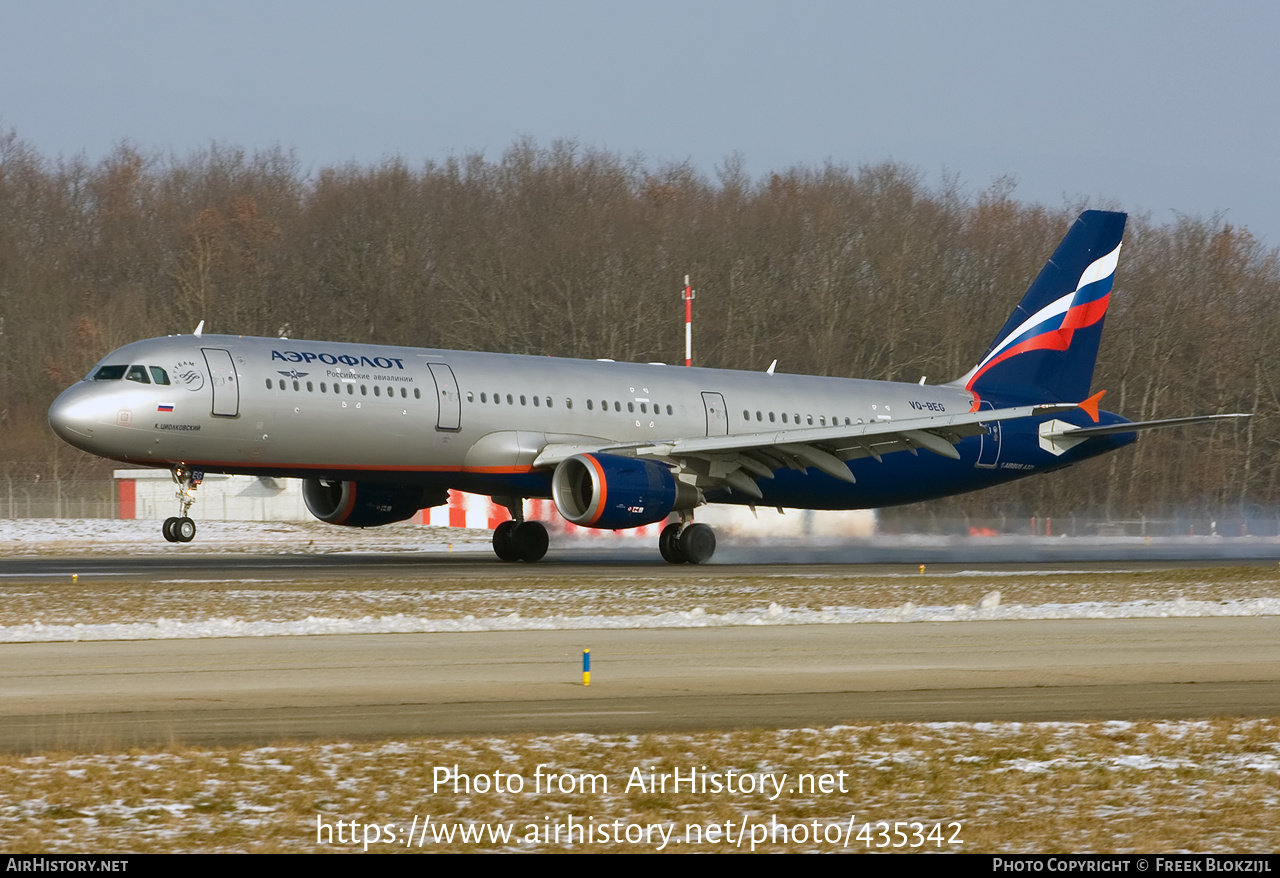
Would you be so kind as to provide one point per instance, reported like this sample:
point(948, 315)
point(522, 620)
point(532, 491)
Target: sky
point(1157, 108)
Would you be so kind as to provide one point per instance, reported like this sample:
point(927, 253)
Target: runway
point(231, 691)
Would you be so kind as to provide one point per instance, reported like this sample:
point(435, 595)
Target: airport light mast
point(688, 322)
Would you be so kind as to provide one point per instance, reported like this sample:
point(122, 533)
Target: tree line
point(569, 251)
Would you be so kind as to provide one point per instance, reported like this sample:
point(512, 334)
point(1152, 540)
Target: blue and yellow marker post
point(586, 667)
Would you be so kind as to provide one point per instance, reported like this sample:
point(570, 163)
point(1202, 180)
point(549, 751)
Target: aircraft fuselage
point(478, 421)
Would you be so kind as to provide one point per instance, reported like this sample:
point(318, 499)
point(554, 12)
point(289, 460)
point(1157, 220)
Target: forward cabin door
point(450, 412)
point(222, 375)
point(717, 414)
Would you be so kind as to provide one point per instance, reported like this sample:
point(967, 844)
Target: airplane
point(378, 433)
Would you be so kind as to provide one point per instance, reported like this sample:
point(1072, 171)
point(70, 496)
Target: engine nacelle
point(613, 492)
point(366, 504)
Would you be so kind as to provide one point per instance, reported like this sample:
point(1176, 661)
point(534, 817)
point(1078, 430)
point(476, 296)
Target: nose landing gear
point(180, 528)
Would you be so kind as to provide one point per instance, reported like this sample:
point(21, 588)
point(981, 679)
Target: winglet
point(1090, 405)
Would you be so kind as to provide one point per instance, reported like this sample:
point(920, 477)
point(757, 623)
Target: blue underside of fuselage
point(897, 478)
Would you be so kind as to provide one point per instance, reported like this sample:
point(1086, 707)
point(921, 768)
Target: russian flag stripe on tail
point(1047, 348)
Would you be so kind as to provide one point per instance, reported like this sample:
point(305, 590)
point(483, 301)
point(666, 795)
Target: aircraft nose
point(72, 416)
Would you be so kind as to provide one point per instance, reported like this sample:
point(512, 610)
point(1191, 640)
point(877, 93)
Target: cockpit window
point(137, 373)
point(158, 375)
point(109, 373)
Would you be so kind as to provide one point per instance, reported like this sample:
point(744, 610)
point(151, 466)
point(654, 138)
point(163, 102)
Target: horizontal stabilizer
point(1134, 426)
point(1059, 437)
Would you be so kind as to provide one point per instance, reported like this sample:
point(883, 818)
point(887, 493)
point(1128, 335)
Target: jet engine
point(612, 492)
point(366, 504)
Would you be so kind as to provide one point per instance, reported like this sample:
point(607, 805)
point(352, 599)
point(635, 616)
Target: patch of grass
point(1111, 787)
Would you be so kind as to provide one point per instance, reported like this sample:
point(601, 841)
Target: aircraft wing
point(736, 461)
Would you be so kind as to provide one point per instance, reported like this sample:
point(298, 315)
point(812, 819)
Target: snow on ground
point(46, 536)
point(697, 617)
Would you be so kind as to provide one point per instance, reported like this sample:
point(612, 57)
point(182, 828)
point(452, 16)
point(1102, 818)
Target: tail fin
point(1047, 348)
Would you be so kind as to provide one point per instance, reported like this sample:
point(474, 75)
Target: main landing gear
point(684, 542)
point(180, 528)
point(519, 540)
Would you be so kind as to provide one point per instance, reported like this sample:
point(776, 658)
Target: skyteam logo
point(336, 359)
point(1052, 327)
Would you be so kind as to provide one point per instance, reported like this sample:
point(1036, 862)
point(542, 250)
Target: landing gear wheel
point(504, 544)
point(697, 543)
point(183, 530)
point(669, 544)
point(530, 540)
point(167, 529)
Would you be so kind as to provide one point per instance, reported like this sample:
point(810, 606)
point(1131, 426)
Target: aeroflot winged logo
point(1051, 328)
point(335, 359)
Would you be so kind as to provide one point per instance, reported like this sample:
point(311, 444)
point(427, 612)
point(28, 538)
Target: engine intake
point(366, 504)
point(613, 492)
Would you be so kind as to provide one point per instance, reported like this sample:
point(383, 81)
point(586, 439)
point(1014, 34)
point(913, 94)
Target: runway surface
point(85, 696)
point(479, 562)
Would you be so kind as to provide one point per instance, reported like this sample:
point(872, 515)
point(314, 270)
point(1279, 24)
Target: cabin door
point(222, 375)
point(450, 412)
point(989, 456)
point(717, 415)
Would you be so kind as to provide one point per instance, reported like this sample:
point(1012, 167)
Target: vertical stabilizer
point(1047, 349)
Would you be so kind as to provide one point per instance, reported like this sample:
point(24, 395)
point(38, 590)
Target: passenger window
point(137, 373)
point(770, 417)
point(631, 407)
point(536, 402)
point(471, 397)
point(297, 386)
point(591, 405)
point(484, 397)
point(281, 383)
point(404, 393)
point(110, 373)
point(549, 403)
point(351, 390)
point(668, 409)
point(784, 417)
point(268, 384)
point(159, 376)
point(377, 391)
point(364, 391)
point(510, 399)
point(522, 402)
point(417, 393)
point(568, 403)
point(617, 406)
point(310, 387)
